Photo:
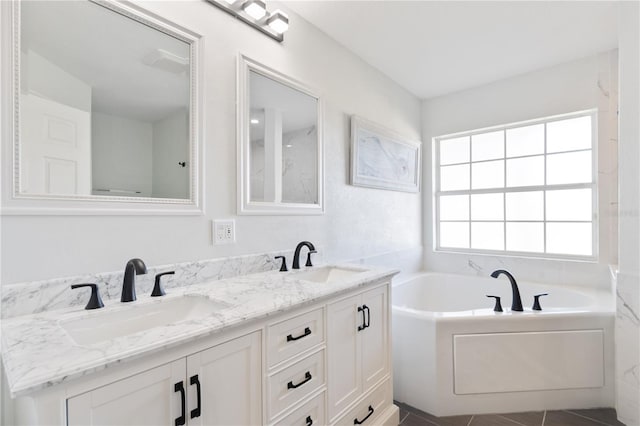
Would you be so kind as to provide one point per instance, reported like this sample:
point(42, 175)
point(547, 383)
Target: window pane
point(453, 178)
point(528, 171)
point(487, 236)
point(525, 205)
point(569, 135)
point(454, 234)
point(454, 150)
point(527, 236)
point(571, 204)
point(487, 207)
point(487, 146)
point(488, 175)
point(454, 207)
point(527, 140)
point(573, 167)
point(569, 238)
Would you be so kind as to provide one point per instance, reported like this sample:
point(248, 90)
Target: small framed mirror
point(105, 109)
point(279, 143)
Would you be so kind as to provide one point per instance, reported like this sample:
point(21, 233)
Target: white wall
point(628, 282)
point(170, 146)
point(568, 87)
point(358, 222)
point(42, 77)
point(121, 154)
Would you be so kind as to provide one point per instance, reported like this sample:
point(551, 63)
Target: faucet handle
point(95, 302)
point(309, 258)
point(157, 287)
point(283, 266)
point(536, 301)
point(498, 306)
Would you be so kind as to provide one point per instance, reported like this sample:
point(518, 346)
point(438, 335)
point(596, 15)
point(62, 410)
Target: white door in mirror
point(56, 148)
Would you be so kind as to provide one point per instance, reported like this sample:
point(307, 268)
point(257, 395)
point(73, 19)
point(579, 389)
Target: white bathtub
point(453, 354)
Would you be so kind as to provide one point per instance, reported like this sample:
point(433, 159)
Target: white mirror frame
point(245, 205)
point(16, 203)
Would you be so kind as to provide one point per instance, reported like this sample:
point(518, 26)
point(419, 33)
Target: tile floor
point(410, 416)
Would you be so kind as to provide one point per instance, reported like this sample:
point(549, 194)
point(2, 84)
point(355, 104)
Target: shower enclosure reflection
point(281, 144)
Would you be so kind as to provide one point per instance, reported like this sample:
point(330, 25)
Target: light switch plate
point(224, 231)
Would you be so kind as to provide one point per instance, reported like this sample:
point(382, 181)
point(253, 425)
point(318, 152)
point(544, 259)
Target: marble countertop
point(38, 353)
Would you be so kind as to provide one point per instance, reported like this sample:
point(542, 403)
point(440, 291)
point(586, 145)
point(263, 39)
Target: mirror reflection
point(283, 133)
point(104, 104)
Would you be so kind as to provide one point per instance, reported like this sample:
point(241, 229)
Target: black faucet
point(516, 302)
point(296, 255)
point(134, 267)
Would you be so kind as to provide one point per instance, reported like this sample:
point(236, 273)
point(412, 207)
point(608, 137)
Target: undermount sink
point(328, 274)
point(107, 324)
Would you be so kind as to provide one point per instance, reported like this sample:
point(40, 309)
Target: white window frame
point(593, 185)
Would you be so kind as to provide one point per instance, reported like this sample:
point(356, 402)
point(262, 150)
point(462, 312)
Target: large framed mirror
point(280, 145)
point(105, 109)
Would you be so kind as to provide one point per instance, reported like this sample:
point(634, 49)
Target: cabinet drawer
point(294, 335)
point(294, 383)
point(368, 410)
point(311, 413)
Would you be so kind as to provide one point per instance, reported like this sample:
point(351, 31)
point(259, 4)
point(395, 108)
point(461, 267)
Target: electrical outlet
point(224, 231)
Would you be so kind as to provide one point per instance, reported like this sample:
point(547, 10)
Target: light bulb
point(255, 8)
point(278, 21)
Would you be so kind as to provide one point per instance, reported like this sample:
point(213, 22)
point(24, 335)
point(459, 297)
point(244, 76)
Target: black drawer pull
point(309, 421)
point(366, 308)
point(364, 320)
point(195, 381)
point(179, 387)
point(307, 377)
point(307, 331)
point(359, 422)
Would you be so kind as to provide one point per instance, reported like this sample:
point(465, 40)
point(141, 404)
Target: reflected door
point(55, 149)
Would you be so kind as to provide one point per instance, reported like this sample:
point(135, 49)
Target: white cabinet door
point(230, 381)
point(344, 353)
point(148, 398)
point(357, 346)
point(375, 347)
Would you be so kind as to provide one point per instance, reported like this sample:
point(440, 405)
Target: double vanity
point(278, 348)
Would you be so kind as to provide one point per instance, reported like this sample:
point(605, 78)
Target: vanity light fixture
point(255, 14)
point(255, 121)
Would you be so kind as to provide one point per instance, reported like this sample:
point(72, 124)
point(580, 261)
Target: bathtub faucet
point(516, 302)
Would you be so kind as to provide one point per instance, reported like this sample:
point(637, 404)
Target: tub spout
point(516, 302)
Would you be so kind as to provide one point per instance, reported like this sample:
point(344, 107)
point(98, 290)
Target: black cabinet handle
point(359, 422)
point(195, 381)
point(307, 377)
point(307, 332)
point(179, 387)
point(309, 421)
point(364, 321)
point(368, 323)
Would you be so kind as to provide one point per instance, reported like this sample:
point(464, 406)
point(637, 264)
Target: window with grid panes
point(520, 189)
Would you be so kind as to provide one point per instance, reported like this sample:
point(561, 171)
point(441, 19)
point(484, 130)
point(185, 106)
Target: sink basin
point(108, 324)
point(328, 274)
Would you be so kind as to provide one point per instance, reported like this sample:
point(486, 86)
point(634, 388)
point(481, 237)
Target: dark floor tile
point(491, 420)
point(440, 421)
point(532, 418)
point(565, 418)
point(605, 415)
point(403, 414)
point(413, 420)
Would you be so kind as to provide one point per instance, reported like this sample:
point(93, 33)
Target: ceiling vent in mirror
point(166, 61)
point(255, 14)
